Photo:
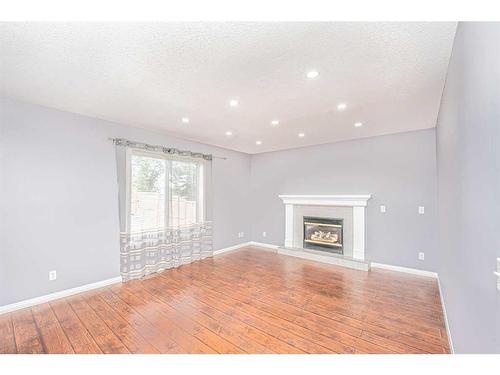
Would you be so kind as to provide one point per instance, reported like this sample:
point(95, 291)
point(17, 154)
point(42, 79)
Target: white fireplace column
point(289, 225)
point(357, 202)
point(358, 238)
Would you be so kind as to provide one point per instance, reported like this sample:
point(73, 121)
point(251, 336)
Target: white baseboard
point(231, 248)
point(450, 341)
point(412, 271)
point(263, 246)
point(63, 293)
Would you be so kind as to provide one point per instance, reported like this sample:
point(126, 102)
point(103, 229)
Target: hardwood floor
point(247, 301)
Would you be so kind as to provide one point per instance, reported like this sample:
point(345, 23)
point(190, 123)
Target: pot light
point(301, 135)
point(234, 102)
point(258, 143)
point(229, 133)
point(274, 122)
point(358, 124)
point(341, 106)
point(312, 74)
point(185, 120)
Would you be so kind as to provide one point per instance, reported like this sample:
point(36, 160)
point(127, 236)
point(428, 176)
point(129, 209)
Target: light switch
point(421, 210)
point(382, 209)
point(497, 274)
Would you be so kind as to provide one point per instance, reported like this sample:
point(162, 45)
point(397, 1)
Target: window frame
point(200, 183)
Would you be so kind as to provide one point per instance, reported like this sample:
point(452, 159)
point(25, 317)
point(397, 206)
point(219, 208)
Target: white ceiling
point(150, 75)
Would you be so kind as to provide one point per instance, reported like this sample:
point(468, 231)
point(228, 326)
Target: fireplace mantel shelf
point(327, 200)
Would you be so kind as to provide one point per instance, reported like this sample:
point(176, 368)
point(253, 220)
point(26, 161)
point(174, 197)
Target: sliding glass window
point(164, 191)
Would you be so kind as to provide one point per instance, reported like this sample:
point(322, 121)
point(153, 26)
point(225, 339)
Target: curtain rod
point(166, 150)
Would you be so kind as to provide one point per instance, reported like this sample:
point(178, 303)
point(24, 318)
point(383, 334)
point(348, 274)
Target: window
point(164, 191)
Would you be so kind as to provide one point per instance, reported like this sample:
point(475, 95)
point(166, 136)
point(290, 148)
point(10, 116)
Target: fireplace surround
point(349, 208)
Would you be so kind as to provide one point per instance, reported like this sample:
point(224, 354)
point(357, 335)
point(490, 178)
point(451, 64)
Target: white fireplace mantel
point(327, 200)
point(357, 202)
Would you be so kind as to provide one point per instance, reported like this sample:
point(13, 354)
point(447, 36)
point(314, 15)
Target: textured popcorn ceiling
point(150, 75)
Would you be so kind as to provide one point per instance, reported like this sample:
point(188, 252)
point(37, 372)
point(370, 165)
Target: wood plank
point(239, 343)
point(324, 334)
point(241, 329)
point(102, 334)
point(81, 340)
point(267, 323)
point(164, 321)
point(346, 309)
point(7, 340)
point(190, 325)
point(26, 334)
point(162, 342)
point(132, 339)
point(53, 337)
point(425, 344)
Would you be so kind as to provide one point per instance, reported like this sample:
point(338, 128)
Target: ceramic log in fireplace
point(323, 234)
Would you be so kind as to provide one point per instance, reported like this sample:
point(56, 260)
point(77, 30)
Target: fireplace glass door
point(323, 234)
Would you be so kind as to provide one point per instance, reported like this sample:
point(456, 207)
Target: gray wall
point(59, 205)
point(468, 151)
point(398, 170)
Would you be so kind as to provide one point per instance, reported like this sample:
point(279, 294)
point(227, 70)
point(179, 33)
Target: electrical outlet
point(52, 275)
point(382, 209)
point(421, 256)
point(421, 210)
point(264, 234)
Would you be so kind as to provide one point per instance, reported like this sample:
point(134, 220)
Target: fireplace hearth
point(324, 234)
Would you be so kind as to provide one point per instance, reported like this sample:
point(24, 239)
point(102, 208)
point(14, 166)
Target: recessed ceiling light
point(274, 122)
point(234, 102)
point(301, 135)
point(258, 143)
point(358, 124)
point(312, 74)
point(229, 133)
point(185, 120)
point(341, 106)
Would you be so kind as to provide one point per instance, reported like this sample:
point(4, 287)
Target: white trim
point(358, 233)
point(327, 200)
point(264, 245)
point(57, 295)
point(231, 248)
point(450, 341)
point(412, 271)
point(289, 225)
